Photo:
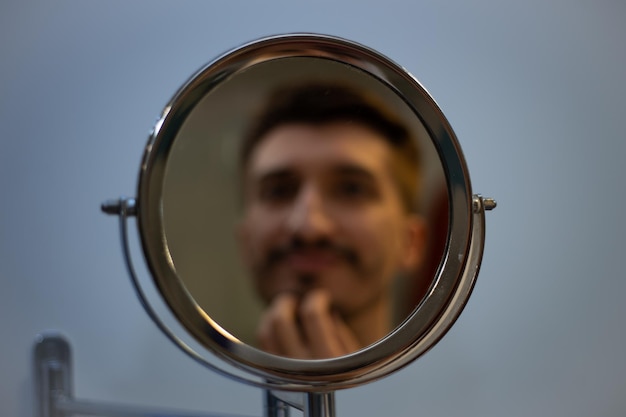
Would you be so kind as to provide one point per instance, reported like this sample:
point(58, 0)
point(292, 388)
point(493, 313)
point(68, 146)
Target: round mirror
point(306, 212)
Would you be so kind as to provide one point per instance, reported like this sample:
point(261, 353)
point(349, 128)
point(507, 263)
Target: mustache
point(297, 245)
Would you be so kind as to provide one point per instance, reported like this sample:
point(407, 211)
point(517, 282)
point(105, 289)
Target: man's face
point(323, 211)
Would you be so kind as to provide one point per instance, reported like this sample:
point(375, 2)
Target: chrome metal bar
point(69, 407)
point(53, 372)
point(53, 378)
point(320, 405)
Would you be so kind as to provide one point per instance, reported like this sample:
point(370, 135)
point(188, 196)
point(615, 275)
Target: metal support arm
point(54, 387)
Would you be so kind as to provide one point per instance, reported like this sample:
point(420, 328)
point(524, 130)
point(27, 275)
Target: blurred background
point(534, 91)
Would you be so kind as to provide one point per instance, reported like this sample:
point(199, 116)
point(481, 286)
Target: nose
point(309, 218)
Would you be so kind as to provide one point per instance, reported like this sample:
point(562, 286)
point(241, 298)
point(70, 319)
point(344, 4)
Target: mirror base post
point(320, 404)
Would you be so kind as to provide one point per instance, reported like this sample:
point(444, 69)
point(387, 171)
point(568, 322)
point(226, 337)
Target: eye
point(278, 191)
point(354, 189)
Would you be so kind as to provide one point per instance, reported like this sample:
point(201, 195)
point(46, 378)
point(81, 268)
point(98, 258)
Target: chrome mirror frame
point(426, 324)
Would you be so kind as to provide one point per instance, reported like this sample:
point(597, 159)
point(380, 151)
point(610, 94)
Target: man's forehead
point(337, 148)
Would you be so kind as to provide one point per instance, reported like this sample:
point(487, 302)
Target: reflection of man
point(329, 195)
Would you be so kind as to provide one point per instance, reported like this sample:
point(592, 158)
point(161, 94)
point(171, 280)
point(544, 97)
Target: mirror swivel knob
point(483, 203)
point(120, 206)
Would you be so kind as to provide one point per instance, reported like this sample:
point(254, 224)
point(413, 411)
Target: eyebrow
point(342, 169)
point(274, 174)
point(354, 170)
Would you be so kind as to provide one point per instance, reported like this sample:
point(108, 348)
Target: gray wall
point(534, 90)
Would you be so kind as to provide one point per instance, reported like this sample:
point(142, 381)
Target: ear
point(415, 243)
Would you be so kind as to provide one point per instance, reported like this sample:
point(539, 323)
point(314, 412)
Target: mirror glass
point(253, 241)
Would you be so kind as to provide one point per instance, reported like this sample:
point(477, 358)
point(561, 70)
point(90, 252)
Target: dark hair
point(320, 103)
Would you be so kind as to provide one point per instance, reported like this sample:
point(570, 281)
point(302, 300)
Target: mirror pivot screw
point(119, 206)
point(489, 203)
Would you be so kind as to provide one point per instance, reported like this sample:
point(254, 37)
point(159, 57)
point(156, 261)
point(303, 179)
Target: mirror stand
point(211, 132)
point(52, 364)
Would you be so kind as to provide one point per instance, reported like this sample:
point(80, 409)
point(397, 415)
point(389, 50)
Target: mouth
point(312, 261)
point(308, 259)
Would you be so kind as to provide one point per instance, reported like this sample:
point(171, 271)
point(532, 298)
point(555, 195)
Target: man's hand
point(305, 329)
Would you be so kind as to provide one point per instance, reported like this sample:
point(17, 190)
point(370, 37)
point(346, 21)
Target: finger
point(345, 335)
point(319, 326)
point(280, 330)
point(265, 338)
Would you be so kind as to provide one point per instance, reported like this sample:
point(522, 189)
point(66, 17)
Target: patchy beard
point(278, 254)
point(267, 266)
point(302, 283)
